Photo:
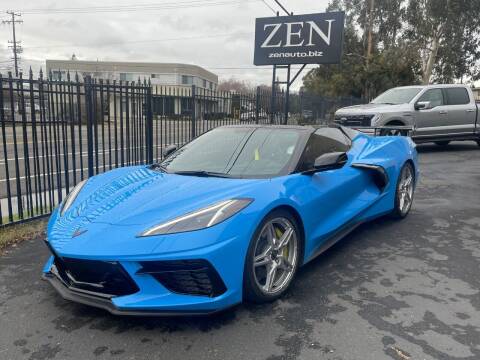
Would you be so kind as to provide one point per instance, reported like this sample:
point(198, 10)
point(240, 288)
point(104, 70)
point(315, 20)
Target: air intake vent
point(189, 277)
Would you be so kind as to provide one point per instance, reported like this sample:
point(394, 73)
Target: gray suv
point(437, 113)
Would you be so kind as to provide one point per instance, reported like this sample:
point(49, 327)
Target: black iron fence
point(55, 133)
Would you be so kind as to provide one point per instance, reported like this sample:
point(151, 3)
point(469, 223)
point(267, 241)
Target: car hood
point(136, 195)
point(136, 198)
point(370, 109)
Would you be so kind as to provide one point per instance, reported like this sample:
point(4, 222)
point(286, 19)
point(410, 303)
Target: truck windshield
point(397, 96)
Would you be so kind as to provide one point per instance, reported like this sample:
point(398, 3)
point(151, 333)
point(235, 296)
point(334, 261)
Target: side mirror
point(423, 105)
point(170, 149)
point(328, 161)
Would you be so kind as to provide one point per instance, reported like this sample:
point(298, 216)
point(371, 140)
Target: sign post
point(297, 39)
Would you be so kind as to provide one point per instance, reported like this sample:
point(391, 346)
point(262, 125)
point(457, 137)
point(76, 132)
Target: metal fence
point(55, 133)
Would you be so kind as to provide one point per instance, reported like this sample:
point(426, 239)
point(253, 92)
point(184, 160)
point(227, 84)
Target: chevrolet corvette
point(228, 217)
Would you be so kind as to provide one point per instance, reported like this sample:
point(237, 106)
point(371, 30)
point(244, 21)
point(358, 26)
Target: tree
point(446, 35)
point(234, 85)
point(375, 55)
point(401, 42)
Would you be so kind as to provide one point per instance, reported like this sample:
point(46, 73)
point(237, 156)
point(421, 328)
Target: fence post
point(149, 125)
point(257, 104)
point(194, 111)
point(89, 110)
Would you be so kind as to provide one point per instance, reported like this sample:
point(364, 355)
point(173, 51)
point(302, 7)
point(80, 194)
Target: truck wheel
point(442, 143)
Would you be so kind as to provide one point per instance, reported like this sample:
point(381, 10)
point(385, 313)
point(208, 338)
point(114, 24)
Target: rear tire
point(442, 143)
point(404, 192)
point(273, 258)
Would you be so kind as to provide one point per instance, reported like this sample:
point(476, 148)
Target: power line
point(139, 41)
point(271, 8)
point(15, 45)
point(133, 7)
point(283, 8)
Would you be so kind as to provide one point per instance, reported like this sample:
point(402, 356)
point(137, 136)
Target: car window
point(457, 96)
point(212, 151)
point(435, 96)
point(238, 152)
point(266, 152)
point(323, 141)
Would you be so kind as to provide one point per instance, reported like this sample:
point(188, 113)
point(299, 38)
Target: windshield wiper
point(158, 166)
point(202, 173)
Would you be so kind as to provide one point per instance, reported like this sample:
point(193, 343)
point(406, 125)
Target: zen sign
point(299, 39)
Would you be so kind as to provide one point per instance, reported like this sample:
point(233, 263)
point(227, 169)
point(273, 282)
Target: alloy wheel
point(405, 190)
point(275, 256)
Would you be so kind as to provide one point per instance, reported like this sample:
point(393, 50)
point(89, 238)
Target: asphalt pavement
point(391, 290)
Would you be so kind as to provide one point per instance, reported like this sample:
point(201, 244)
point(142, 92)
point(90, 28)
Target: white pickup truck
point(437, 113)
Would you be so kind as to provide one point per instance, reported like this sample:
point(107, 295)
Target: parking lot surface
point(390, 290)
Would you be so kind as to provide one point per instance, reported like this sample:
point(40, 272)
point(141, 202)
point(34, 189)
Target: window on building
point(205, 82)
point(126, 77)
point(187, 80)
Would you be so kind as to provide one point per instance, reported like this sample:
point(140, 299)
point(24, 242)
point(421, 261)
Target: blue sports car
point(230, 216)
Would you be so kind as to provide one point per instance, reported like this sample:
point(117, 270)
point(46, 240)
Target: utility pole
point(15, 45)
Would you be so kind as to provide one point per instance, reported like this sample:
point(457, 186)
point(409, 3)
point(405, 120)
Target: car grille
point(189, 277)
point(354, 120)
point(100, 278)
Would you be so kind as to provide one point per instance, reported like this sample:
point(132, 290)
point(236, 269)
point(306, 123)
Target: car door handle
point(470, 110)
point(443, 112)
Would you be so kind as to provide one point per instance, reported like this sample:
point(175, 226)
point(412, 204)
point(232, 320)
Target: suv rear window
point(457, 96)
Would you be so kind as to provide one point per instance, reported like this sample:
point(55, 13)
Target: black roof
point(349, 132)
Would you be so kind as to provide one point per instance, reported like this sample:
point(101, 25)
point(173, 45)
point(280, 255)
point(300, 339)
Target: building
point(476, 93)
point(172, 83)
point(158, 73)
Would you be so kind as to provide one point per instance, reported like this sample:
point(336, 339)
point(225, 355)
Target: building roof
point(133, 67)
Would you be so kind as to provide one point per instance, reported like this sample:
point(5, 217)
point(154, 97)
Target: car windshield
point(236, 152)
point(396, 96)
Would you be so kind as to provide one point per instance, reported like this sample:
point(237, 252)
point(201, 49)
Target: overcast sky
point(217, 37)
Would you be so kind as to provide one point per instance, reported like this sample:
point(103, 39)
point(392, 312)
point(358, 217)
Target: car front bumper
point(155, 297)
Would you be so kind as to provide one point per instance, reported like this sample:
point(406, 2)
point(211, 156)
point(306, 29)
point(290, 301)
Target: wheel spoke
point(263, 258)
point(285, 239)
point(271, 234)
point(271, 272)
point(408, 180)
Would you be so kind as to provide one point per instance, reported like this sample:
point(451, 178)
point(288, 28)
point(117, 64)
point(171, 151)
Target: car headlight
point(200, 219)
point(375, 119)
point(72, 195)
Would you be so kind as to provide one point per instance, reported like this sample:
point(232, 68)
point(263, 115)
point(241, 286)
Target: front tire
point(404, 191)
point(273, 258)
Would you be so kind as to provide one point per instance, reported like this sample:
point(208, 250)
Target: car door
point(432, 121)
point(335, 197)
point(461, 112)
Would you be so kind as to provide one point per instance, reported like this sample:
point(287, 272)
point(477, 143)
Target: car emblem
point(78, 232)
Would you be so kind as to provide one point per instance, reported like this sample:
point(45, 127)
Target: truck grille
point(354, 120)
point(189, 277)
